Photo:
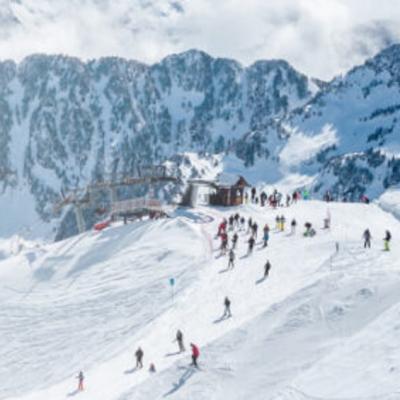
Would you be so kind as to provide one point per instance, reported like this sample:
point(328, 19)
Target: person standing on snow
point(235, 238)
point(367, 239)
point(266, 235)
point(267, 267)
point(231, 220)
point(249, 225)
point(195, 354)
point(253, 194)
point(386, 240)
point(224, 243)
point(251, 242)
point(80, 378)
point(227, 310)
point(179, 339)
point(282, 223)
point(278, 222)
point(139, 358)
point(222, 227)
point(254, 230)
point(242, 223)
point(293, 226)
point(152, 368)
point(231, 263)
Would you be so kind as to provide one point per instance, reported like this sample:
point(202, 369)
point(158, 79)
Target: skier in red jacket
point(195, 354)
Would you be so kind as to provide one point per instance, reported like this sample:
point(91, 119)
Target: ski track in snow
point(321, 326)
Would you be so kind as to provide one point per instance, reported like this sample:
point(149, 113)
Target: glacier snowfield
point(324, 325)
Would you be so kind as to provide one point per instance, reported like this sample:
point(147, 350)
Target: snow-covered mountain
point(65, 123)
point(348, 135)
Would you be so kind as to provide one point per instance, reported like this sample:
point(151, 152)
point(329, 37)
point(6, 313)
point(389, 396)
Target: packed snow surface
point(323, 325)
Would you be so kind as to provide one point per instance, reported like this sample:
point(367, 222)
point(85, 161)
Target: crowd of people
point(228, 233)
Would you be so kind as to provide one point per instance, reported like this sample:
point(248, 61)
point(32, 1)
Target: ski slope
point(324, 325)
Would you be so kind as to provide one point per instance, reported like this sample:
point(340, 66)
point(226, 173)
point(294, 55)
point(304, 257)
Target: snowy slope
point(322, 326)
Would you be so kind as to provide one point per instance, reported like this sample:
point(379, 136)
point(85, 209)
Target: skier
point(254, 230)
point(263, 198)
point(249, 225)
point(386, 240)
point(227, 310)
point(242, 223)
point(195, 354)
point(293, 226)
point(367, 239)
point(80, 378)
point(266, 235)
point(288, 198)
point(282, 223)
point(224, 243)
point(267, 267)
point(221, 227)
point(237, 218)
point(230, 221)
point(253, 194)
point(327, 220)
point(231, 263)
point(251, 242)
point(179, 339)
point(278, 222)
point(152, 368)
point(235, 238)
point(139, 358)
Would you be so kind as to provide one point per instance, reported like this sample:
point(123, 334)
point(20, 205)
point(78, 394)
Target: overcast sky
point(321, 38)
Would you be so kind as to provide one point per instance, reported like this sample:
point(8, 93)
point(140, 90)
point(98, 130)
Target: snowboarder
point(386, 240)
point(251, 242)
point(367, 239)
point(266, 235)
point(195, 354)
point(267, 267)
point(235, 238)
point(227, 310)
point(139, 358)
point(80, 378)
point(179, 339)
point(293, 226)
point(231, 263)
